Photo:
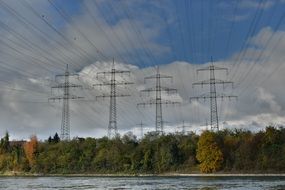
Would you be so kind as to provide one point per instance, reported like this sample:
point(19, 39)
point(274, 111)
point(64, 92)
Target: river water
point(203, 183)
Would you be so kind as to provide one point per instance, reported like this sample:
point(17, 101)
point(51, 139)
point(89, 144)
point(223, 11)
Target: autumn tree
point(209, 153)
point(30, 149)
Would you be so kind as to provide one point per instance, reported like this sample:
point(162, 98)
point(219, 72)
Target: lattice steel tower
point(183, 128)
point(141, 125)
point(213, 96)
point(66, 85)
point(158, 101)
point(113, 83)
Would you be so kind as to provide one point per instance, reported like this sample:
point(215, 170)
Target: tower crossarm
point(116, 83)
point(70, 97)
point(104, 73)
point(212, 67)
point(216, 81)
point(66, 74)
point(109, 96)
point(156, 76)
point(162, 89)
point(208, 96)
point(69, 85)
point(141, 124)
point(225, 96)
point(154, 102)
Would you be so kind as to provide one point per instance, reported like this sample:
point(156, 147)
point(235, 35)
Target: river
point(139, 183)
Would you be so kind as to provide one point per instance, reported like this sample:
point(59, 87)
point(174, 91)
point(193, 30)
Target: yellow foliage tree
point(209, 153)
point(30, 149)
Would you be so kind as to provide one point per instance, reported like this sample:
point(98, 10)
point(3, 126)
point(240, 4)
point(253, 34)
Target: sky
point(39, 37)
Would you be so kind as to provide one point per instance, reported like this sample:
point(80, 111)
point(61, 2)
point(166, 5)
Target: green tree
point(49, 139)
point(56, 138)
point(4, 143)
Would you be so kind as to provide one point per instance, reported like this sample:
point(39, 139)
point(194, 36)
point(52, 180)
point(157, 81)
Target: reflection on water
point(195, 183)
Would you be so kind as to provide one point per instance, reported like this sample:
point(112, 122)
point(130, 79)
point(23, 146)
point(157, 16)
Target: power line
point(69, 20)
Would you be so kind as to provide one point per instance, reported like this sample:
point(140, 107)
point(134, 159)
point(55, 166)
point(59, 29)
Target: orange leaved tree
point(30, 149)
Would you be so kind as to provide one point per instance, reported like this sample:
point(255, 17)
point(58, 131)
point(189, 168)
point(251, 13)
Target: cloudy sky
point(39, 37)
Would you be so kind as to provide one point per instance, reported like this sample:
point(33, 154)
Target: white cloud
point(256, 4)
point(25, 111)
point(267, 99)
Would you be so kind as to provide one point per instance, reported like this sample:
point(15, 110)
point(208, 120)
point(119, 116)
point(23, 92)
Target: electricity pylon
point(158, 101)
point(213, 96)
point(183, 126)
point(66, 85)
point(141, 124)
point(113, 83)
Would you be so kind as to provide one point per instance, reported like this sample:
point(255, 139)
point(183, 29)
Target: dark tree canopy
point(235, 151)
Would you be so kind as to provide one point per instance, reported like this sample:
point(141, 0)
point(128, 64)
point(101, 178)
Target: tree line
point(227, 151)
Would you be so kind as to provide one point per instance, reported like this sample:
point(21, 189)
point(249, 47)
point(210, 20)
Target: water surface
point(138, 183)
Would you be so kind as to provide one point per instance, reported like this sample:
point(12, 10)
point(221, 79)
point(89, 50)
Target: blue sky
point(193, 30)
point(217, 29)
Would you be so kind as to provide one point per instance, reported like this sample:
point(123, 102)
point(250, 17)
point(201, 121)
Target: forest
point(225, 151)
